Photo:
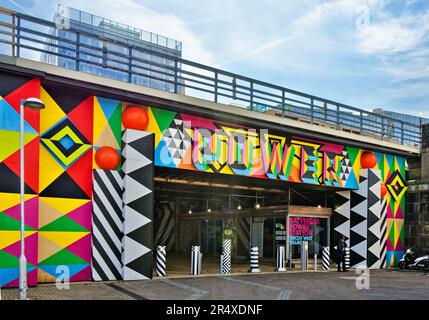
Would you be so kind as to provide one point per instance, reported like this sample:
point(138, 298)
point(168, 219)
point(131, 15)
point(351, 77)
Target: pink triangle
point(389, 212)
point(389, 245)
point(399, 214)
point(31, 212)
point(31, 245)
point(83, 275)
point(82, 248)
point(82, 215)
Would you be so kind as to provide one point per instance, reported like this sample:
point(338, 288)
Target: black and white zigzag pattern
point(138, 172)
point(107, 224)
point(226, 256)
point(383, 233)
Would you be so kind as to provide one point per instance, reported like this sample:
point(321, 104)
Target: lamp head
point(34, 104)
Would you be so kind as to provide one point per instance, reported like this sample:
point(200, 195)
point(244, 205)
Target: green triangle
point(115, 123)
point(7, 260)
point(64, 224)
point(163, 118)
point(9, 223)
point(392, 233)
point(63, 257)
point(353, 153)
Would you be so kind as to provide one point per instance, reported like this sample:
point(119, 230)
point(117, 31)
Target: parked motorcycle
point(410, 261)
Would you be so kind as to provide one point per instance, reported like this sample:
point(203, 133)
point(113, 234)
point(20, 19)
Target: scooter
point(410, 261)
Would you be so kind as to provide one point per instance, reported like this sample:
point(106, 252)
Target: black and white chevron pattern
point(138, 172)
point(107, 225)
point(226, 257)
point(161, 261)
point(326, 262)
point(383, 234)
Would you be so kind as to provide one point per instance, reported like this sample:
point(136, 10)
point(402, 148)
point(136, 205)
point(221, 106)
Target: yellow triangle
point(52, 112)
point(49, 169)
point(9, 200)
point(107, 138)
point(62, 238)
point(44, 277)
point(153, 127)
point(8, 237)
point(47, 248)
point(100, 121)
point(64, 205)
point(9, 142)
point(47, 214)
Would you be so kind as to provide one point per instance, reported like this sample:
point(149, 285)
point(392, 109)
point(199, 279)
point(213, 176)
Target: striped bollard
point(325, 259)
point(226, 257)
point(347, 258)
point(161, 261)
point(196, 257)
point(280, 261)
point(304, 255)
point(254, 260)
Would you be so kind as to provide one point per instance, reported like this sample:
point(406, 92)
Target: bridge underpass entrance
point(203, 209)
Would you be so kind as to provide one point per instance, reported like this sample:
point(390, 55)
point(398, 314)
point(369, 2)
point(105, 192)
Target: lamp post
point(32, 104)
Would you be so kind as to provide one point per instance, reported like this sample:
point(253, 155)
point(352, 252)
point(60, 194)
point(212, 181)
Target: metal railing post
point(18, 35)
point(402, 133)
point(251, 95)
point(382, 128)
point(312, 110)
point(338, 117)
point(216, 86)
point(360, 122)
point(283, 103)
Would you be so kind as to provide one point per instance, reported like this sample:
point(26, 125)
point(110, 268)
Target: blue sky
point(366, 53)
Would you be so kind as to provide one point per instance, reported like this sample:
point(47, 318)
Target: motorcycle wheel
point(402, 265)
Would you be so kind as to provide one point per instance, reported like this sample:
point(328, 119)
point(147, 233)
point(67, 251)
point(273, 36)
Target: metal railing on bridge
point(75, 48)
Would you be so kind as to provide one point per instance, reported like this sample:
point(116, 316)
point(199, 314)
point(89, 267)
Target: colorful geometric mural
point(60, 144)
point(393, 176)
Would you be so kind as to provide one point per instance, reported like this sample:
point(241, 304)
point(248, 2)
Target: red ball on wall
point(107, 158)
point(368, 160)
point(383, 190)
point(135, 117)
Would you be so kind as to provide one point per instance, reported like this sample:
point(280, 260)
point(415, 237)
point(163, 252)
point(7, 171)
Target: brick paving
point(384, 284)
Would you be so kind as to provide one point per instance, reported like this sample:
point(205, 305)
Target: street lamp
point(32, 104)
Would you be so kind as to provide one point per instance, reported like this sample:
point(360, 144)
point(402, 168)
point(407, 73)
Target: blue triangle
point(379, 157)
point(389, 159)
point(400, 161)
point(108, 106)
point(352, 182)
point(163, 156)
point(10, 119)
point(10, 274)
point(73, 269)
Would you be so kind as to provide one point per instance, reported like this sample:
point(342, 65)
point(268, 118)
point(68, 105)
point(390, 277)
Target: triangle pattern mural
point(138, 172)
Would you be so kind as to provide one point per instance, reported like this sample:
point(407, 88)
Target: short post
point(347, 258)
point(195, 261)
point(304, 256)
point(280, 261)
point(161, 261)
point(325, 259)
point(315, 262)
point(226, 257)
point(254, 260)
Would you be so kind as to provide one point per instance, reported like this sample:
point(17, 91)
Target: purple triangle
point(82, 248)
point(82, 215)
point(31, 212)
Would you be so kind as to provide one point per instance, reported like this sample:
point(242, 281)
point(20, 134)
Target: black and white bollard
point(225, 258)
point(254, 260)
point(196, 258)
point(304, 255)
point(325, 259)
point(280, 262)
point(161, 261)
point(347, 258)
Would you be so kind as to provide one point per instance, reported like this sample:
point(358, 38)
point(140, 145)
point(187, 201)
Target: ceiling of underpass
point(197, 191)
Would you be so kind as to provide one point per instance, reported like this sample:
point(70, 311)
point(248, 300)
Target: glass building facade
point(110, 49)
